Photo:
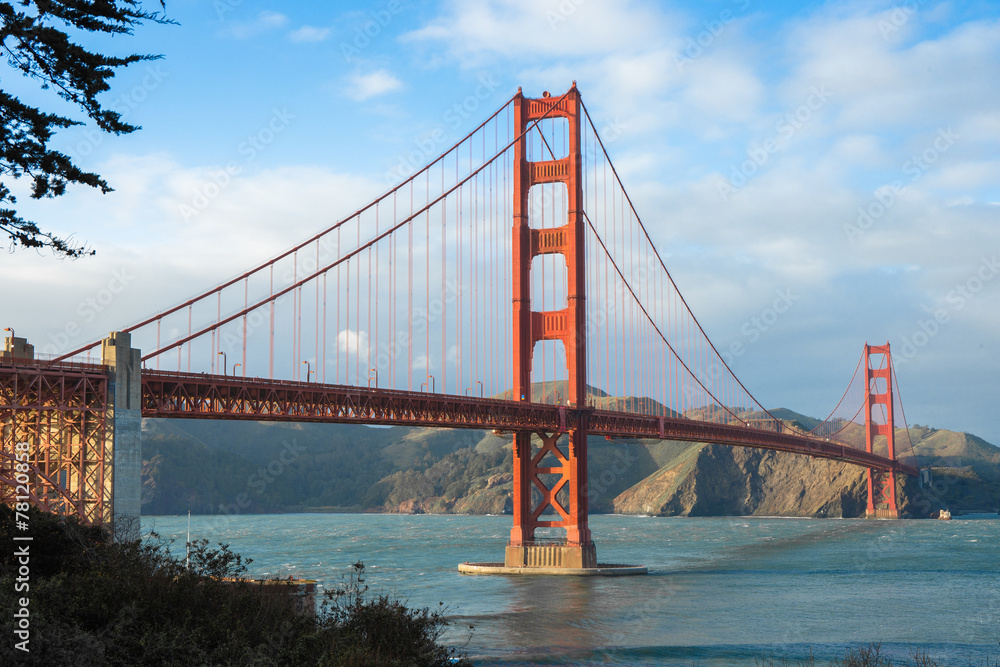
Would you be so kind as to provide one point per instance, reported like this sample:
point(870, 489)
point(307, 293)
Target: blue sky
point(846, 152)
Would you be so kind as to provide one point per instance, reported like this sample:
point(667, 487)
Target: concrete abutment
point(124, 430)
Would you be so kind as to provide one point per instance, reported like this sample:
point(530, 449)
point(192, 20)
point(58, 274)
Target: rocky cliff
point(230, 467)
point(714, 480)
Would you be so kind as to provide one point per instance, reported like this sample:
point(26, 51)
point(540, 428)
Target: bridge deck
point(189, 395)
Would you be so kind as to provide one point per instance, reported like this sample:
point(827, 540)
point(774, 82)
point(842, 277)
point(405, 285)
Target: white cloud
point(150, 254)
point(353, 343)
point(362, 87)
point(308, 33)
point(684, 129)
point(725, 90)
point(264, 22)
point(529, 28)
point(885, 84)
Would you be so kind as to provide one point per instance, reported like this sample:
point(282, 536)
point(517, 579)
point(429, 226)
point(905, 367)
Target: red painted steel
point(878, 399)
point(63, 407)
point(60, 411)
point(567, 325)
point(193, 395)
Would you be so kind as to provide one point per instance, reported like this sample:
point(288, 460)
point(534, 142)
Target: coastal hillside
point(209, 466)
point(963, 475)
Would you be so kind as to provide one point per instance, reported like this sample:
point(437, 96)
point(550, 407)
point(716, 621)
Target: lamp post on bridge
point(235, 366)
point(224, 363)
point(308, 369)
point(370, 378)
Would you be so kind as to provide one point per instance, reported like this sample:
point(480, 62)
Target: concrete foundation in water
point(601, 570)
point(551, 555)
point(552, 558)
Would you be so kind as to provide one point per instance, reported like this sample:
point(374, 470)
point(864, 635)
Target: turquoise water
point(720, 591)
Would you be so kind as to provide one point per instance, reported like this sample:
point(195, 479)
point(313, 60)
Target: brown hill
point(709, 480)
point(211, 466)
point(714, 480)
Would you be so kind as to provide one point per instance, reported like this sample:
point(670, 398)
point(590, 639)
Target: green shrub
point(94, 601)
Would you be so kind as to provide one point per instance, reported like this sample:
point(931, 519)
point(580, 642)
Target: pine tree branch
point(38, 46)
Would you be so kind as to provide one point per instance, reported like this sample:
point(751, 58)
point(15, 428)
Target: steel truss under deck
point(60, 412)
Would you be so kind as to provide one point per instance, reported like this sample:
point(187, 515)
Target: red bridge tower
point(879, 421)
point(567, 496)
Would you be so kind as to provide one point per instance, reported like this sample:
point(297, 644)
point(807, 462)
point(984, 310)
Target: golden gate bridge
point(510, 284)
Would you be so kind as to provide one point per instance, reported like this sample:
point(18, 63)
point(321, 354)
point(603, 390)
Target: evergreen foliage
point(36, 41)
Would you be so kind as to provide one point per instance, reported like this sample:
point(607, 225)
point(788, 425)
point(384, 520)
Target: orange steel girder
point(881, 483)
point(567, 325)
point(60, 411)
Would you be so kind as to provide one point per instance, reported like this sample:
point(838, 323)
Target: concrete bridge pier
point(124, 430)
point(17, 348)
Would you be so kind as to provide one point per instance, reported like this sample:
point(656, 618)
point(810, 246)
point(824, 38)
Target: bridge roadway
point(195, 395)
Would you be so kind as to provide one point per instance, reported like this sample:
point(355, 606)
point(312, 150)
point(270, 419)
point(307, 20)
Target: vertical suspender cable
point(444, 287)
point(409, 298)
point(316, 324)
point(458, 212)
point(324, 327)
point(270, 346)
point(246, 302)
point(378, 311)
point(357, 306)
point(368, 308)
point(427, 274)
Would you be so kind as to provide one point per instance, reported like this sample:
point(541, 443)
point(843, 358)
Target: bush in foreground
point(98, 602)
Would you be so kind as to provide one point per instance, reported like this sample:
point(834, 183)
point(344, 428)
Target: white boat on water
point(944, 514)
